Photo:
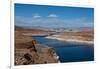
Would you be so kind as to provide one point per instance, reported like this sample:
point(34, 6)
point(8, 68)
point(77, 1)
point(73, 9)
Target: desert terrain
point(80, 37)
point(28, 51)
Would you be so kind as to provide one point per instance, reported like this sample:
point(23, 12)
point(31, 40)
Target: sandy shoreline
point(71, 40)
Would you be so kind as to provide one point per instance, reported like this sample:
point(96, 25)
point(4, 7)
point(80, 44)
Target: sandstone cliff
point(28, 51)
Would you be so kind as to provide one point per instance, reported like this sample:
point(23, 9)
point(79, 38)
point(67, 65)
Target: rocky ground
point(28, 51)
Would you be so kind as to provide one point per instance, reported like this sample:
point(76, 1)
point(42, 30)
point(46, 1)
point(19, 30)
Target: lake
point(68, 51)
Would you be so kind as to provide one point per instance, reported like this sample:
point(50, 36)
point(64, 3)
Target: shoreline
point(70, 40)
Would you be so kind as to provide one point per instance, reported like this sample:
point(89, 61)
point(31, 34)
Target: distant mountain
point(32, 27)
point(57, 29)
point(18, 27)
point(86, 28)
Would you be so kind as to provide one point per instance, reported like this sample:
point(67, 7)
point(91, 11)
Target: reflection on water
point(69, 52)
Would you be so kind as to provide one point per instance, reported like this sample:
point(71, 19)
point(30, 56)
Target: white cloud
point(52, 15)
point(36, 16)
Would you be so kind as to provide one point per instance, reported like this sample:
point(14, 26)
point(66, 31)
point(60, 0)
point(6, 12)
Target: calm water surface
point(68, 52)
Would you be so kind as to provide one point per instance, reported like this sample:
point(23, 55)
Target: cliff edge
point(28, 51)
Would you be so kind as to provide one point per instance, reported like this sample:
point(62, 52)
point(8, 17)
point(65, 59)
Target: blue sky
point(53, 16)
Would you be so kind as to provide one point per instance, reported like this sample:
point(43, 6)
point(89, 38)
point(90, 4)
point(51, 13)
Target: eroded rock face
point(28, 51)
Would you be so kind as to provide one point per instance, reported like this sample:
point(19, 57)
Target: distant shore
point(70, 40)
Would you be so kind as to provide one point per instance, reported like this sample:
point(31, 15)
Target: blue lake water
point(68, 51)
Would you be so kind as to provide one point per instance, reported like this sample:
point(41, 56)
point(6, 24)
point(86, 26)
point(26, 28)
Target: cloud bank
point(52, 21)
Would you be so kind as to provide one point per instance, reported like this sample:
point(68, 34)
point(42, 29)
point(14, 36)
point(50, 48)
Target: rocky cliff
point(28, 51)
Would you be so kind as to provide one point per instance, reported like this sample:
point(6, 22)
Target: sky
point(53, 16)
